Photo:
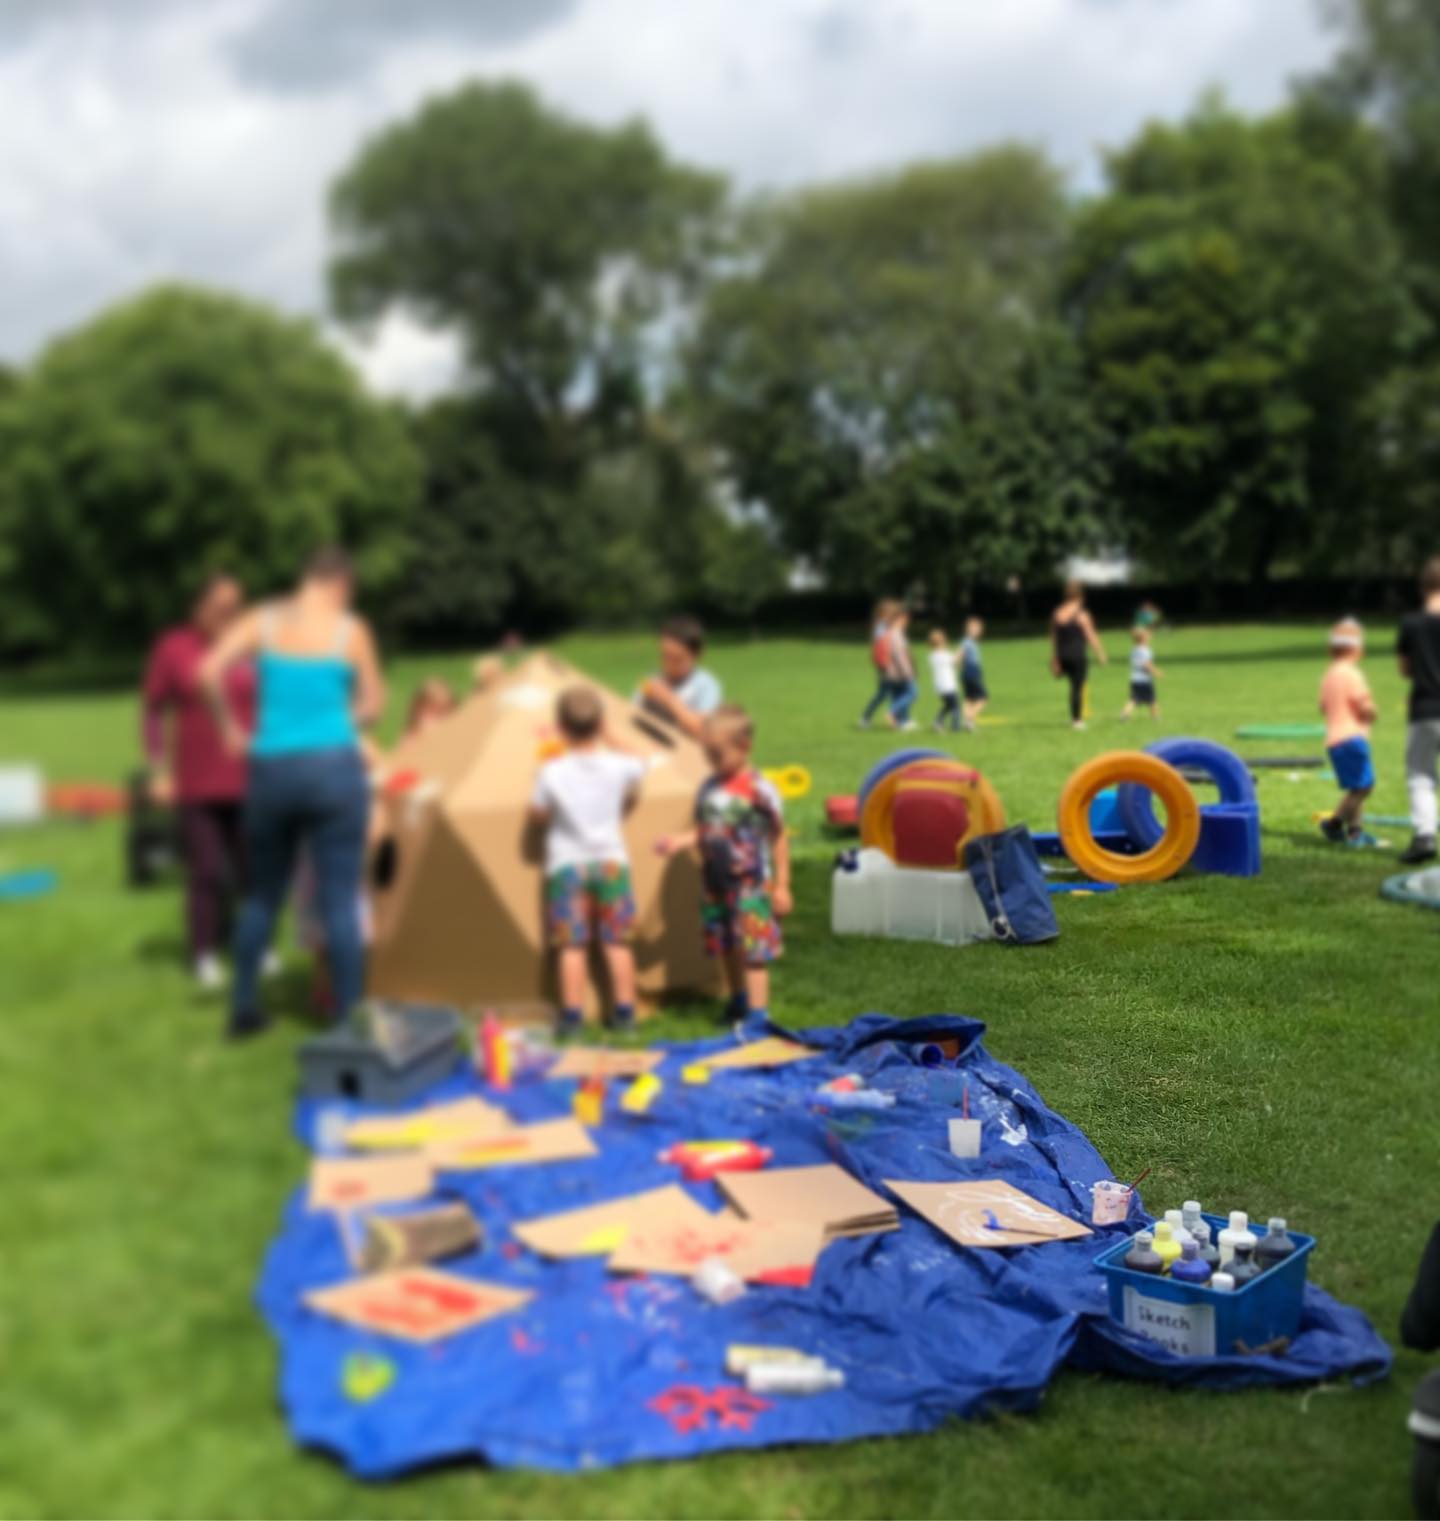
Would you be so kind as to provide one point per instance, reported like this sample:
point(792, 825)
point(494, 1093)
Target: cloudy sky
point(151, 139)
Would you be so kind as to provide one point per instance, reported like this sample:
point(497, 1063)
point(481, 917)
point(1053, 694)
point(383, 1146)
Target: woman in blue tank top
point(318, 677)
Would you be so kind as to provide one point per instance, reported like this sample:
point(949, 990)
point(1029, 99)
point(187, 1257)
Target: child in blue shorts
point(1349, 711)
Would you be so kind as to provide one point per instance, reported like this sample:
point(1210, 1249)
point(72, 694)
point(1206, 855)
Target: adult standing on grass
point(319, 683)
point(1072, 638)
point(1419, 653)
point(684, 692)
point(191, 768)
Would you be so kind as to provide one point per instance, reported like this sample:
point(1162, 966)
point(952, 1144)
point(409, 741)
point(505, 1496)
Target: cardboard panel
point(599, 1229)
point(416, 1304)
point(550, 1141)
point(825, 1196)
point(358, 1182)
point(768, 1052)
point(988, 1213)
point(753, 1249)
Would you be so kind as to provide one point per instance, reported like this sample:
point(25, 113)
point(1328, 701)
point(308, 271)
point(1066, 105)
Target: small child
point(943, 663)
point(879, 659)
point(745, 856)
point(1143, 674)
point(580, 800)
point(433, 699)
point(972, 673)
point(1349, 711)
point(901, 670)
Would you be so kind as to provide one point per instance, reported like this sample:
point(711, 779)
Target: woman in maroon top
point(193, 768)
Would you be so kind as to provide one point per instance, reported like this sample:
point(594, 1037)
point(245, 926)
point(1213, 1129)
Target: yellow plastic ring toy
point(1182, 818)
point(877, 818)
point(791, 782)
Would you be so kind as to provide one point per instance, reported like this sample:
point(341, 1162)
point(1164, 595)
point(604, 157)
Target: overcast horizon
point(170, 140)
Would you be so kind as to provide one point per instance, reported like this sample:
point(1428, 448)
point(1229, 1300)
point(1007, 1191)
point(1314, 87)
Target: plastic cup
point(1112, 1202)
point(965, 1138)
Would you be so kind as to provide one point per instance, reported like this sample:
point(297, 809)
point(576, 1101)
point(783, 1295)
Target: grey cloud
point(319, 44)
point(21, 20)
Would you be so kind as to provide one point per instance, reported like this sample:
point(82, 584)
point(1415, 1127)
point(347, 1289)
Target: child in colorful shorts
point(1349, 711)
point(740, 830)
point(580, 800)
point(972, 673)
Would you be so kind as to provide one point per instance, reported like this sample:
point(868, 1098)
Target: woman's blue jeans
point(316, 801)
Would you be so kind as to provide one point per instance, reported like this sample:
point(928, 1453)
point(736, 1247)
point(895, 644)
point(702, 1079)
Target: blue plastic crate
point(1196, 1321)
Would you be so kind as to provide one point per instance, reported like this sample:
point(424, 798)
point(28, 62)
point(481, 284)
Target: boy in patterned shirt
point(580, 800)
point(745, 856)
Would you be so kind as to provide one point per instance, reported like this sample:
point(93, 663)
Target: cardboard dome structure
point(457, 877)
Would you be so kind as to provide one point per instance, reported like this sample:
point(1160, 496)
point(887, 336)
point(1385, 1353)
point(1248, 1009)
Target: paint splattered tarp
point(599, 1369)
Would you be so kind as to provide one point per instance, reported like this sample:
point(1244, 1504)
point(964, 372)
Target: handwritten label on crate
point(1186, 1329)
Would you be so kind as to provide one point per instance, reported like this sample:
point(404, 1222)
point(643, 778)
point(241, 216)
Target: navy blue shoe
point(623, 1018)
point(569, 1022)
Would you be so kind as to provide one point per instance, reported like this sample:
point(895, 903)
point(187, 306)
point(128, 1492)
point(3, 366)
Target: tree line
point(1225, 364)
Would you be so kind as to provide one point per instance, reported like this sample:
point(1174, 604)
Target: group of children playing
point(580, 800)
point(958, 672)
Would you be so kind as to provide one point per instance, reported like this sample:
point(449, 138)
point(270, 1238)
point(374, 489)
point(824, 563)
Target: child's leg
point(573, 971)
point(1422, 743)
point(1128, 710)
point(735, 973)
point(615, 909)
point(882, 691)
point(1155, 710)
point(757, 986)
point(952, 706)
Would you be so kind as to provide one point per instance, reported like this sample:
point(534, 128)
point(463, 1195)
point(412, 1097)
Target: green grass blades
point(1267, 1044)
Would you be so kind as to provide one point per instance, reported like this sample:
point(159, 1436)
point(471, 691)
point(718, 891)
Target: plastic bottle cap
point(1222, 1281)
point(1239, 1220)
point(1191, 1208)
point(1189, 1251)
point(1173, 1218)
point(1163, 1231)
point(1277, 1225)
point(1144, 1238)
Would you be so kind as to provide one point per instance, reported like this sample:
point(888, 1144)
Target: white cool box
point(904, 903)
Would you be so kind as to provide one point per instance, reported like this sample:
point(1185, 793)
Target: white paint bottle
point(1238, 1232)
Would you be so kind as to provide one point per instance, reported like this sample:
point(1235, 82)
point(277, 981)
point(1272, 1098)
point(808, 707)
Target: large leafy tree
point(889, 377)
point(550, 247)
point(1240, 289)
point(181, 431)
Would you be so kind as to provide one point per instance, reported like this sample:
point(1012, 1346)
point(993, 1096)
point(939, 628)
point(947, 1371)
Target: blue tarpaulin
point(921, 1328)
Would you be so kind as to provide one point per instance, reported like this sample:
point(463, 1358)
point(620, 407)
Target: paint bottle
point(1191, 1214)
point(1209, 1252)
point(1142, 1256)
point(1191, 1266)
point(1223, 1283)
point(792, 1378)
point(1274, 1246)
point(1243, 1267)
point(1175, 1219)
point(1237, 1231)
point(1166, 1246)
point(717, 1281)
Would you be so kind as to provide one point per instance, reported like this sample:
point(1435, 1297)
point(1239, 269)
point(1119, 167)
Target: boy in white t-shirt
point(1143, 675)
point(943, 663)
point(580, 800)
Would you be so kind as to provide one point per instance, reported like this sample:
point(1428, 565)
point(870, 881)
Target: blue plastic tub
point(1195, 1321)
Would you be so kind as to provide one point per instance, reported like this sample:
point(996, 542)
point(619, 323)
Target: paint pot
point(965, 1138)
point(1166, 1246)
point(1112, 1202)
point(1142, 1256)
point(717, 1281)
point(1191, 1267)
point(1242, 1266)
point(930, 1056)
point(1275, 1245)
point(792, 1378)
point(1176, 1220)
point(1236, 1233)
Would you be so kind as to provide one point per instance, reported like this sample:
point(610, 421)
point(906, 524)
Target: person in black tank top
point(1072, 637)
point(1418, 649)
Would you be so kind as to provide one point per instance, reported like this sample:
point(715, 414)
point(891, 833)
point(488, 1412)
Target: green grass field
point(1270, 1044)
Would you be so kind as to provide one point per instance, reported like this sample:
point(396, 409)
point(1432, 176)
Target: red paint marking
point(387, 1312)
point(688, 1407)
point(352, 1190)
point(522, 1343)
point(445, 1297)
point(511, 1249)
point(787, 1278)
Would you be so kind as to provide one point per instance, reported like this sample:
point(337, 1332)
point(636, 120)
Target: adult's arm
point(157, 693)
point(369, 702)
point(1055, 642)
point(239, 642)
point(1087, 626)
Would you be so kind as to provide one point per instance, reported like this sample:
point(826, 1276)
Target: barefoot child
point(580, 799)
point(1349, 711)
point(745, 857)
point(943, 661)
point(433, 699)
point(901, 669)
point(972, 674)
point(1143, 674)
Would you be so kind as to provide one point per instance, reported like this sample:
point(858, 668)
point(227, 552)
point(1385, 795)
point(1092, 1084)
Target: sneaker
point(1362, 839)
point(243, 1026)
point(909, 726)
point(1420, 849)
point(568, 1022)
point(210, 974)
point(862, 723)
point(1079, 726)
point(1333, 830)
point(736, 1010)
point(622, 1017)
